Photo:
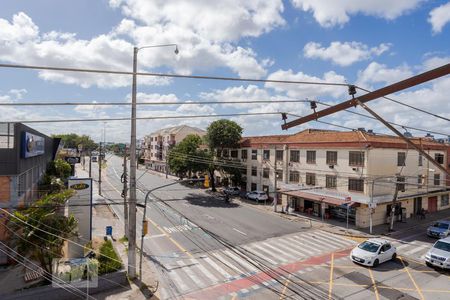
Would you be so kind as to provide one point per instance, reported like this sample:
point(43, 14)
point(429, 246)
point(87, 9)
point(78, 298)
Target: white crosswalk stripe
point(280, 252)
point(289, 248)
point(266, 255)
point(191, 274)
point(417, 249)
point(180, 283)
point(204, 271)
point(301, 246)
point(228, 263)
point(343, 241)
point(216, 267)
point(241, 261)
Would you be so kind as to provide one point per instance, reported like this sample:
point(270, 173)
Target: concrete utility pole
point(90, 164)
point(124, 192)
point(133, 165)
point(394, 202)
point(100, 170)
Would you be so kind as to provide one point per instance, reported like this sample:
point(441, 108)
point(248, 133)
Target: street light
point(145, 213)
point(132, 199)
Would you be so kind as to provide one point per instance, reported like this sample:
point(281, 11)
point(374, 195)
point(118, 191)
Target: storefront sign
point(32, 145)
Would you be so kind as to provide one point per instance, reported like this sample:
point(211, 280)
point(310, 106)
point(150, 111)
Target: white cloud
point(439, 17)
point(238, 93)
point(380, 73)
point(343, 54)
point(434, 62)
point(306, 90)
point(337, 12)
point(22, 29)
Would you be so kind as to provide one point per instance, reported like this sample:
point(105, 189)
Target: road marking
point(288, 280)
point(240, 261)
point(374, 283)
point(155, 236)
point(330, 288)
point(203, 270)
point(187, 268)
point(170, 238)
point(302, 249)
point(178, 281)
point(227, 263)
point(280, 252)
point(263, 255)
point(288, 248)
point(217, 268)
point(243, 233)
point(422, 247)
point(412, 279)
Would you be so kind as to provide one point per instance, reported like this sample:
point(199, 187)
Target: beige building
point(321, 172)
point(158, 143)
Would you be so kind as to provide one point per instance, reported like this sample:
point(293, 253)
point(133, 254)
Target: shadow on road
point(209, 201)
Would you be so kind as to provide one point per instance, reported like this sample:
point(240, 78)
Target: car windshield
point(442, 246)
point(441, 225)
point(369, 246)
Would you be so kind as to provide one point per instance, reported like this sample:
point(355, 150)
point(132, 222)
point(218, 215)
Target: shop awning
point(319, 198)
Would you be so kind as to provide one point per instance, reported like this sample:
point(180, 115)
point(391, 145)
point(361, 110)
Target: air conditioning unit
point(355, 169)
point(331, 166)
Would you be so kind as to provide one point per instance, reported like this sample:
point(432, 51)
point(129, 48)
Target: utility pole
point(125, 191)
point(394, 202)
point(275, 196)
point(100, 170)
point(132, 198)
point(90, 164)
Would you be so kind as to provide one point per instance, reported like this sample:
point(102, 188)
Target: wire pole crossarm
point(393, 88)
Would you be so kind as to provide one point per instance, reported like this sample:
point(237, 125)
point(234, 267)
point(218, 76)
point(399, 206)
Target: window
point(266, 172)
point(234, 153)
point(266, 154)
point(294, 176)
point(279, 154)
point(356, 185)
point(254, 171)
point(310, 179)
point(439, 158)
point(331, 157)
point(279, 174)
point(219, 153)
point(420, 159)
point(254, 154)
point(225, 153)
point(295, 156)
point(311, 157)
point(401, 159)
point(444, 200)
point(419, 181)
point(356, 159)
point(253, 186)
point(437, 179)
point(331, 182)
point(401, 184)
point(7, 136)
point(244, 154)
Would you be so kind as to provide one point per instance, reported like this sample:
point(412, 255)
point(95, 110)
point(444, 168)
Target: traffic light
point(145, 227)
point(206, 182)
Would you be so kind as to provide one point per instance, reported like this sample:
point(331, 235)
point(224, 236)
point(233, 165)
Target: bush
point(108, 259)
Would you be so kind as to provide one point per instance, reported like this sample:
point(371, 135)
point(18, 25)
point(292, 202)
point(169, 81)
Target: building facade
point(158, 144)
point(24, 155)
point(329, 173)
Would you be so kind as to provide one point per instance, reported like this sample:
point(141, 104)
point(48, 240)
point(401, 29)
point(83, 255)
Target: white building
point(158, 143)
point(319, 172)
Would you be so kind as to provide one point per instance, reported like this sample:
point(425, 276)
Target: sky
point(369, 43)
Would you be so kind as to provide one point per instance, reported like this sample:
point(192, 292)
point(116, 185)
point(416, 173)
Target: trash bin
point(109, 230)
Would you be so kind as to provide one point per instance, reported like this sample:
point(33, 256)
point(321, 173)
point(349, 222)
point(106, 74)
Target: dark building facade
point(24, 155)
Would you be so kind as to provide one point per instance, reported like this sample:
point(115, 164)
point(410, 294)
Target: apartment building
point(323, 172)
point(158, 144)
point(24, 155)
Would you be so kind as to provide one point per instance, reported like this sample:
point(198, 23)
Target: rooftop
point(176, 129)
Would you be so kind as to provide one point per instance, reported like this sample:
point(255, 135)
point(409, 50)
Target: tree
point(40, 230)
point(58, 171)
point(222, 134)
point(73, 140)
point(186, 157)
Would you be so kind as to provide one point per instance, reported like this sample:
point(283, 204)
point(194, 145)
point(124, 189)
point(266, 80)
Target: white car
point(439, 254)
point(257, 196)
point(373, 252)
point(233, 191)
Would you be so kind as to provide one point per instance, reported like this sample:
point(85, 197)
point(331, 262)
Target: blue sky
point(368, 43)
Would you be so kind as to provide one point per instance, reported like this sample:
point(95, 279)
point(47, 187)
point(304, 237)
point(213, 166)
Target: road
point(203, 248)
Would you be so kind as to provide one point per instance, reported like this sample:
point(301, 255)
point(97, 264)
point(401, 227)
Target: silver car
point(257, 196)
point(439, 254)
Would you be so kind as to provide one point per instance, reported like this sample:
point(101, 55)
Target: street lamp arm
point(156, 46)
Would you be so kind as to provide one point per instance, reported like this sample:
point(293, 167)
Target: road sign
point(72, 160)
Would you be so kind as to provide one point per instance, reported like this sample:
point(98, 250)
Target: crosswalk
point(415, 249)
point(225, 265)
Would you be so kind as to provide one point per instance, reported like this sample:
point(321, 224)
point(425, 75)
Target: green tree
point(40, 230)
point(186, 157)
point(72, 140)
point(58, 171)
point(222, 134)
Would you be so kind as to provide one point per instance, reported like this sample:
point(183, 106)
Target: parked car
point(373, 252)
point(439, 254)
point(440, 229)
point(257, 196)
point(232, 191)
point(94, 158)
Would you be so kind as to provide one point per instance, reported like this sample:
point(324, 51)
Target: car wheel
point(394, 256)
point(376, 263)
point(428, 264)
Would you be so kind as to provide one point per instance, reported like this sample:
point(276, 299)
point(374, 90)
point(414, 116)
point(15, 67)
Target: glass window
point(444, 200)
point(369, 246)
point(266, 154)
point(294, 176)
point(225, 153)
point(234, 153)
point(310, 179)
point(419, 181)
point(279, 154)
point(266, 172)
point(254, 154)
point(244, 153)
point(331, 157)
point(442, 246)
point(401, 159)
point(253, 186)
point(439, 157)
point(279, 174)
point(254, 171)
point(295, 156)
point(420, 159)
point(356, 185)
point(331, 181)
point(311, 157)
point(401, 183)
point(356, 159)
point(437, 179)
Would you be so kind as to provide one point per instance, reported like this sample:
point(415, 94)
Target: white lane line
point(243, 233)
point(217, 268)
point(330, 236)
point(327, 242)
point(290, 256)
point(203, 270)
point(418, 249)
point(178, 281)
point(300, 246)
point(154, 236)
point(227, 263)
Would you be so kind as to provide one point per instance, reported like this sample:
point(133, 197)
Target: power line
point(407, 105)
point(47, 68)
